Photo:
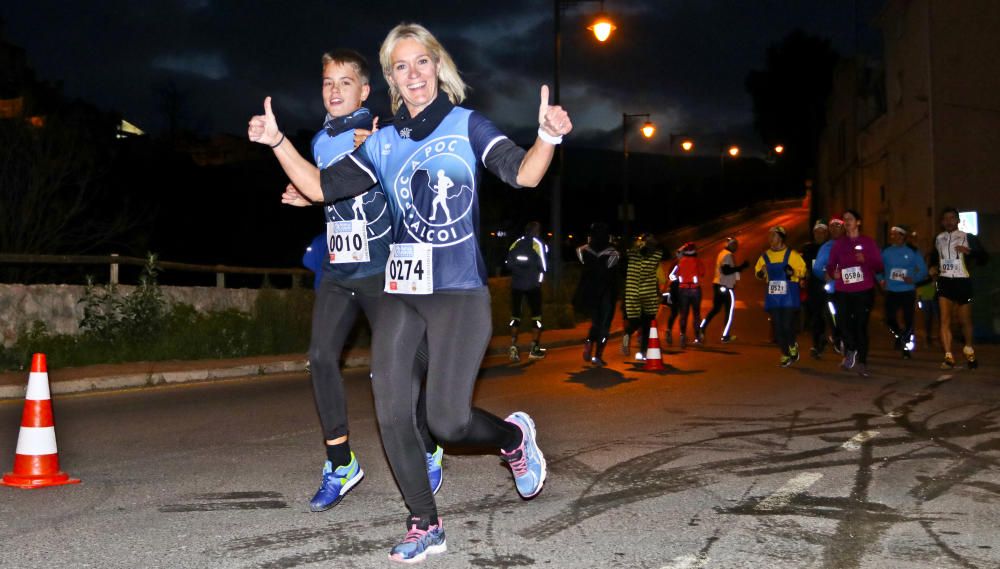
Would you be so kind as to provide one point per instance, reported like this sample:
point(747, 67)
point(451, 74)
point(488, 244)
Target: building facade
point(914, 131)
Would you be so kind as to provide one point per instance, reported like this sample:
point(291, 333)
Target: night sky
point(683, 61)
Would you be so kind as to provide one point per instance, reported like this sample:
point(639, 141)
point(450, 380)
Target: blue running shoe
point(526, 461)
point(434, 471)
point(421, 540)
point(336, 483)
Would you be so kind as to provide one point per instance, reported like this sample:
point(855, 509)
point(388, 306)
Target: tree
point(56, 195)
point(789, 99)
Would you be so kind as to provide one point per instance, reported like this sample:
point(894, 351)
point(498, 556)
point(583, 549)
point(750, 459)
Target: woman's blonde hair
point(449, 80)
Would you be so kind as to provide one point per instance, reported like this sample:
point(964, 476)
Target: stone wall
point(58, 305)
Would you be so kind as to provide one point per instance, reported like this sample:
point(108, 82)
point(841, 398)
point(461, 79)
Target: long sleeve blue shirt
point(901, 263)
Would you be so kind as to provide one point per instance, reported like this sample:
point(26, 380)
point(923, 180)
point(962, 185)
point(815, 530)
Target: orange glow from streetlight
point(687, 145)
point(602, 27)
point(778, 149)
point(648, 129)
point(734, 151)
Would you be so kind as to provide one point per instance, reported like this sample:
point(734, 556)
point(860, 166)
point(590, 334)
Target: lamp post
point(648, 129)
point(731, 151)
point(602, 28)
point(687, 144)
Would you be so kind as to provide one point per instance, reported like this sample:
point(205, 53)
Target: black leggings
point(690, 298)
point(853, 312)
point(458, 328)
point(894, 302)
point(722, 297)
point(601, 315)
point(334, 313)
point(783, 324)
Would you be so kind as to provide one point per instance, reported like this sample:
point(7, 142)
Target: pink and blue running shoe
point(435, 474)
point(526, 461)
point(336, 483)
point(421, 540)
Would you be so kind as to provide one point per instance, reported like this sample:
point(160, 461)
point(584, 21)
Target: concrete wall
point(58, 305)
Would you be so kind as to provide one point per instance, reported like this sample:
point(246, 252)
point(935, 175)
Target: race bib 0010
point(852, 275)
point(347, 241)
point(777, 287)
point(410, 269)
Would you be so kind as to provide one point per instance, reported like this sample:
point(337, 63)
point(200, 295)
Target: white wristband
point(548, 137)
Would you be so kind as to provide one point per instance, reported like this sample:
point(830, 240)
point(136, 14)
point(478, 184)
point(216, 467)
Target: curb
point(352, 360)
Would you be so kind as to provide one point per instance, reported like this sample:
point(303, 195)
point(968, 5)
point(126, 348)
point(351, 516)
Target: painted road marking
point(857, 440)
point(943, 378)
point(687, 562)
point(783, 495)
point(895, 413)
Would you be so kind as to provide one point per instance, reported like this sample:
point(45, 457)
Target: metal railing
point(114, 261)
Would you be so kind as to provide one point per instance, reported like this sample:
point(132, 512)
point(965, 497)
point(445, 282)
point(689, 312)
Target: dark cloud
point(683, 62)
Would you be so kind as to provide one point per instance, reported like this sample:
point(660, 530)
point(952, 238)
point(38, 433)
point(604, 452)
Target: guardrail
point(113, 261)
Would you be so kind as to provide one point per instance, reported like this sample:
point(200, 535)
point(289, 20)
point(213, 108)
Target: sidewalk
point(151, 374)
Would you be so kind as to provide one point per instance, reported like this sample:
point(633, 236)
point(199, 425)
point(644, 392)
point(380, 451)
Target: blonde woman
point(436, 273)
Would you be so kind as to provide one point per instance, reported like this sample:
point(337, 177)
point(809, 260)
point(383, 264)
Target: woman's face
point(851, 223)
point(414, 73)
point(775, 240)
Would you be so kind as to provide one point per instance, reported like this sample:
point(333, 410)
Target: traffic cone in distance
point(36, 461)
point(654, 360)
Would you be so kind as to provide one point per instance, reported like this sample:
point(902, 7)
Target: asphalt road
point(721, 461)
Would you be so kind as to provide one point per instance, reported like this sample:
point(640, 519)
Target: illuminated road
point(722, 461)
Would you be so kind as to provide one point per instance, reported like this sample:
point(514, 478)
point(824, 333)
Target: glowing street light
point(687, 145)
point(733, 151)
point(602, 27)
point(778, 149)
point(647, 130)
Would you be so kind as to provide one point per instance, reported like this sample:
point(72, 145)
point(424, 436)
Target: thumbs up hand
point(553, 119)
point(264, 128)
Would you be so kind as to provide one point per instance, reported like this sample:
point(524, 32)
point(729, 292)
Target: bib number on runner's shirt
point(777, 287)
point(852, 275)
point(897, 275)
point(951, 268)
point(347, 241)
point(410, 269)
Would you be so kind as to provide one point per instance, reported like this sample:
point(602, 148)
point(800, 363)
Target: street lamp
point(778, 149)
point(687, 145)
point(647, 130)
point(602, 28)
point(732, 151)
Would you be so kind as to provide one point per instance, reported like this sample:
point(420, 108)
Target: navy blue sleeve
point(483, 135)
point(494, 150)
point(351, 176)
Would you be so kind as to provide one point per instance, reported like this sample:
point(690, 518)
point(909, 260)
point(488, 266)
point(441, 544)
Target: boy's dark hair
point(949, 209)
point(533, 229)
point(853, 212)
point(346, 56)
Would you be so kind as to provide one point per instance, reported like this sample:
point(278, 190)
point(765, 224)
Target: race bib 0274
point(410, 269)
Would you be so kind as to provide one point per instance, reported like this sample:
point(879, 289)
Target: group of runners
point(834, 278)
point(401, 205)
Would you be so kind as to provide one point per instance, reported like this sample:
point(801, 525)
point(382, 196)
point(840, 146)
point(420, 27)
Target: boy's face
point(343, 91)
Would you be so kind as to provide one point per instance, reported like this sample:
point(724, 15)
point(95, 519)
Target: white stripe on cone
point(651, 352)
point(34, 441)
point(38, 386)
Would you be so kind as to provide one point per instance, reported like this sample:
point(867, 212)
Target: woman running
point(783, 269)
point(854, 261)
point(435, 271)
point(597, 292)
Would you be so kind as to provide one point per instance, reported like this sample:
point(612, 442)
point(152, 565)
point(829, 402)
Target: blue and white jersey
point(372, 205)
point(433, 191)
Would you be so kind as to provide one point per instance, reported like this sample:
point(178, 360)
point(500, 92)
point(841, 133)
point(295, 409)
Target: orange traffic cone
point(36, 461)
point(654, 360)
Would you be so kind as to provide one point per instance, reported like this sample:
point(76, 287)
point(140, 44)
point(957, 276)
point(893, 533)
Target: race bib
point(951, 268)
point(897, 275)
point(852, 275)
point(347, 241)
point(410, 269)
point(777, 287)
